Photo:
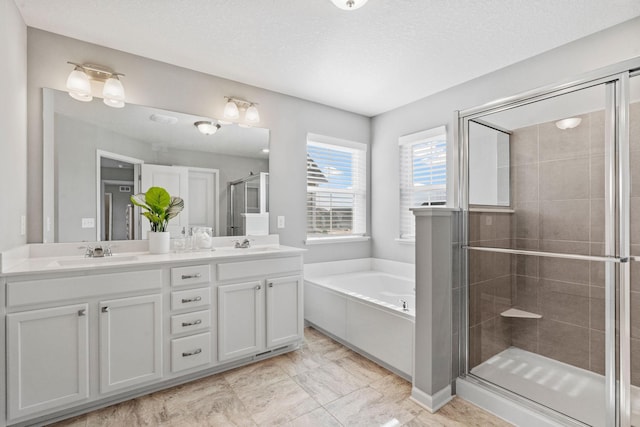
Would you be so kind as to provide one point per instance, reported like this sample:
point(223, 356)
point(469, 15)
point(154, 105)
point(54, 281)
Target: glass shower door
point(541, 270)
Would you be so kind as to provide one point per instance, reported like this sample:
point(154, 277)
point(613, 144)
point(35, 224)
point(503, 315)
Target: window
point(423, 174)
point(336, 187)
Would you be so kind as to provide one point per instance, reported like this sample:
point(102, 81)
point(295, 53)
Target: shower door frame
point(617, 245)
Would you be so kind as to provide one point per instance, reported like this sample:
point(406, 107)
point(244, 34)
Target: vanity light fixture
point(349, 4)
point(79, 84)
point(233, 107)
point(206, 127)
point(568, 123)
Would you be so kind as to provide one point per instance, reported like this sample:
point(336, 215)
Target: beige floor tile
point(298, 362)
point(276, 403)
point(255, 375)
point(368, 407)
point(393, 387)
point(316, 418)
point(362, 368)
point(328, 382)
point(467, 414)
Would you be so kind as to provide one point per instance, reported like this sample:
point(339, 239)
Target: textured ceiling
point(382, 56)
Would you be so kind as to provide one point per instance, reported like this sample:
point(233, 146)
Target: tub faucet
point(405, 305)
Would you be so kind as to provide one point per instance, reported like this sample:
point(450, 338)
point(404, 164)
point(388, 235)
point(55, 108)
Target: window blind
point(423, 176)
point(336, 189)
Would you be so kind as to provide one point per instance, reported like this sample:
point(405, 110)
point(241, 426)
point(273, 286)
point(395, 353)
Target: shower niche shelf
point(514, 312)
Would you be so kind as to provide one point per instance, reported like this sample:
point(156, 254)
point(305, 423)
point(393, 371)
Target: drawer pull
point(192, 353)
point(195, 322)
point(191, 276)
point(195, 299)
point(82, 312)
point(105, 309)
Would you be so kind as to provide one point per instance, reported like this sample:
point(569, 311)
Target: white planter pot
point(159, 242)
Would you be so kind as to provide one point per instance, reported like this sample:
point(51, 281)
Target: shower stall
point(248, 207)
point(550, 194)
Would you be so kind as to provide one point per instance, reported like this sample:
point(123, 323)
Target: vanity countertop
point(21, 263)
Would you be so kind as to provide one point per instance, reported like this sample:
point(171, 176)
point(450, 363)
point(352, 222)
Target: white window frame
point(359, 189)
point(407, 189)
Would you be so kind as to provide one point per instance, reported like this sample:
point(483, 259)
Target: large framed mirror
point(95, 157)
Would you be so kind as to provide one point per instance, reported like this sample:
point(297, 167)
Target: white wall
point(13, 124)
point(598, 50)
point(157, 84)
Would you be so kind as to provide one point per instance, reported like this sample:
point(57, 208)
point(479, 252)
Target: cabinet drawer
point(189, 352)
point(200, 297)
point(190, 322)
point(191, 275)
point(262, 267)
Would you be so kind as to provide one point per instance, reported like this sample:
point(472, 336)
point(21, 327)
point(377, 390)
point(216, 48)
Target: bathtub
point(360, 303)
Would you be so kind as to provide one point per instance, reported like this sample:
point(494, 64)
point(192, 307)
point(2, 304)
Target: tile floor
point(322, 384)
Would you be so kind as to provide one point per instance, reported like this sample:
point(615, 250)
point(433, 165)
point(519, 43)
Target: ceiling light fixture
point(349, 4)
point(79, 84)
point(207, 127)
point(568, 123)
point(233, 107)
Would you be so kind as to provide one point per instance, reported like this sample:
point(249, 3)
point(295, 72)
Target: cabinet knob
point(258, 287)
point(105, 309)
point(82, 312)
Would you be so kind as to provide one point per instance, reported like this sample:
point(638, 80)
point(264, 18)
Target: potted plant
point(158, 207)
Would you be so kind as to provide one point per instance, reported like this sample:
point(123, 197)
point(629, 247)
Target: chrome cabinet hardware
point(195, 299)
point(82, 312)
point(192, 353)
point(191, 276)
point(258, 287)
point(105, 309)
point(195, 322)
point(271, 284)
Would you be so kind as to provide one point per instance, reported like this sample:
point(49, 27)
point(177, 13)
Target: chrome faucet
point(244, 245)
point(97, 251)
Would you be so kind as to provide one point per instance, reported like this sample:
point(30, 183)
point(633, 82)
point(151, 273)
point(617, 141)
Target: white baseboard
point(432, 402)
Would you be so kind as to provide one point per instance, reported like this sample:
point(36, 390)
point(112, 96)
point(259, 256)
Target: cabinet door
point(284, 310)
point(47, 359)
point(130, 341)
point(240, 319)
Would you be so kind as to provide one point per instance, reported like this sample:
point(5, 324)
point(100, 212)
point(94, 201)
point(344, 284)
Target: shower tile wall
point(558, 198)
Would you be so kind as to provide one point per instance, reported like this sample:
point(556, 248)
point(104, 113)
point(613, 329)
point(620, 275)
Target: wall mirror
point(95, 157)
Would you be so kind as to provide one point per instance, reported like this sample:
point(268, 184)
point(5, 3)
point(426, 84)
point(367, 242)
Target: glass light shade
point(349, 4)
point(231, 111)
point(79, 86)
point(568, 123)
point(207, 128)
point(113, 89)
point(252, 115)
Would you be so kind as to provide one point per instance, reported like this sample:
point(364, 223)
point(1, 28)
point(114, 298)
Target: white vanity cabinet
point(259, 314)
point(130, 341)
point(47, 358)
point(55, 324)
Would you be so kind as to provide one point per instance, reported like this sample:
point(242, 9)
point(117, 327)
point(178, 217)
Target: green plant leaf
point(158, 199)
point(139, 200)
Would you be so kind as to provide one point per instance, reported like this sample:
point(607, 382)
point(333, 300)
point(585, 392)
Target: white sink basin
point(94, 261)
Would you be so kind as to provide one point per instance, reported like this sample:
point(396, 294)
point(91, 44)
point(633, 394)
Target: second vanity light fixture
point(232, 111)
point(79, 84)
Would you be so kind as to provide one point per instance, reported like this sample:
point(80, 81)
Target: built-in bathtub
point(360, 303)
